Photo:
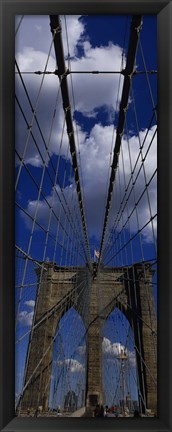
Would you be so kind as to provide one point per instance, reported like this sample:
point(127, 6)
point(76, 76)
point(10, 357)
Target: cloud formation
point(113, 350)
point(75, 29)
point(98, 90)
point(73, 365)
point(30, 303)
point(96, 147)
point(25, 318)
point(95, 161)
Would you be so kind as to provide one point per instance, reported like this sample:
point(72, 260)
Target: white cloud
point(41, 209)
point(73, 365)
point(50, 119)
point(31, 60)
point(25, 318)
point(30, 303)
point(97, 91)
point(95, 161)
point(75, 29)
point(113, 350)
point(36, 31)
point(141, 177)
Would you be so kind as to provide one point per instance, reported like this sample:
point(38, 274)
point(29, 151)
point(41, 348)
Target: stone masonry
point(122, 287)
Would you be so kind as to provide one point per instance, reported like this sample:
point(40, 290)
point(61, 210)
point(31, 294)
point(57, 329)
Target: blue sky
point(95, 43)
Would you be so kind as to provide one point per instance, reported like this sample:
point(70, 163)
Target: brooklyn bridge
point(86, 180)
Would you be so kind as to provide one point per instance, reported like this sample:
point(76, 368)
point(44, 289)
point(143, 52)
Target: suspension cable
point(128, 73)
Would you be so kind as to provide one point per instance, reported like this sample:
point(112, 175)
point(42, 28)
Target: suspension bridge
point(86, 255)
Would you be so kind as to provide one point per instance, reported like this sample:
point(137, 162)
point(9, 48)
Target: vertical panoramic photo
point(86, 216)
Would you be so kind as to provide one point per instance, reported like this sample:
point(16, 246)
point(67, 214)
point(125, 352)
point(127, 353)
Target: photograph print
point(86, 216)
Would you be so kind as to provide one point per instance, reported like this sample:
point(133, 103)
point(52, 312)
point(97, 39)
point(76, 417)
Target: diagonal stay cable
point(48, 348)
point(53, 310)
point(128, 191)
point(128, 73)
point(58, 305)
point(19, 24)
point(58, 46)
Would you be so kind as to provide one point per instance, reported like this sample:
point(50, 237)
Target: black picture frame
point(8, 10)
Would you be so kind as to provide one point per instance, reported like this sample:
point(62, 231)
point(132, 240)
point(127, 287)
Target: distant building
point(71, 401)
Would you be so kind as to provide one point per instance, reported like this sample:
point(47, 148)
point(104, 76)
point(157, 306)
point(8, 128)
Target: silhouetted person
point(36, 412)
point(97, 411)
point(101, 411)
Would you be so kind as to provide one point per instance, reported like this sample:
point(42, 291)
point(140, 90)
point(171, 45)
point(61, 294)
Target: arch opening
point(68, 373)
point(119, 367)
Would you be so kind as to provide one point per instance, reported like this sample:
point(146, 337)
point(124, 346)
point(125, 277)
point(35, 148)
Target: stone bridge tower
point(130, 289)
